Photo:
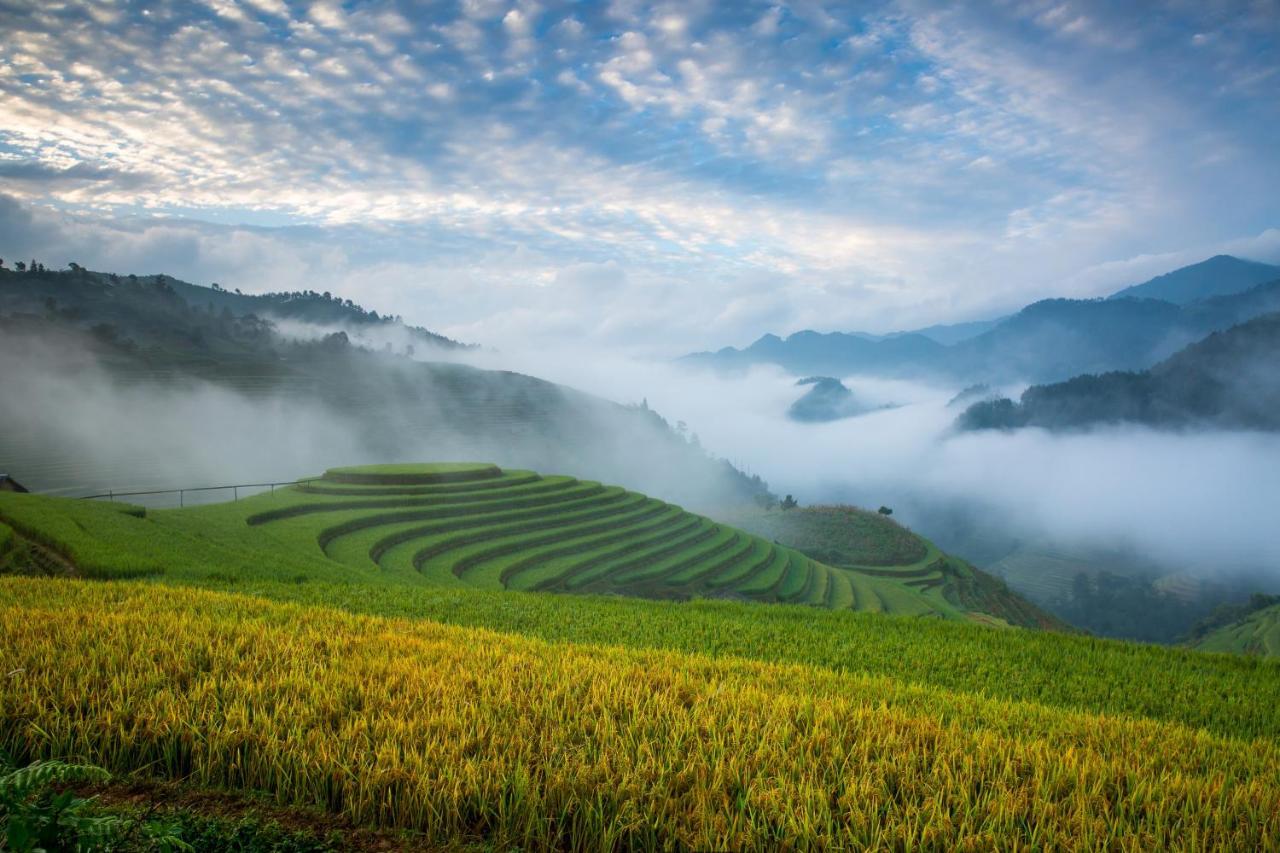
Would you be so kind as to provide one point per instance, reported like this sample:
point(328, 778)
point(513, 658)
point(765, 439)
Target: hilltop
point(1230, 379)
point(1220, 275)
point(826, 400)
point(873, 546)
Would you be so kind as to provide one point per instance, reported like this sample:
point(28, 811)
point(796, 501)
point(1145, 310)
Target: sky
point(654, 178)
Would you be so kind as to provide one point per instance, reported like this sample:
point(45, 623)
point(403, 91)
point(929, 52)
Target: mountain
point(839, 353)
point(826, 400)
point(1221, 275)
point(953, 333)
point(1230, 379)
point(135, 304)
point(1048, 341)
point(146, 382)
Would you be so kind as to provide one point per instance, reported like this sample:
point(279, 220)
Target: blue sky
point(659, 177)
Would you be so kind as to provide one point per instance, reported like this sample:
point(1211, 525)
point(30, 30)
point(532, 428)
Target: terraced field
point(897, 569)
point(481, 526)
point(1256, 634)
point(366, 656)
point(465, 525)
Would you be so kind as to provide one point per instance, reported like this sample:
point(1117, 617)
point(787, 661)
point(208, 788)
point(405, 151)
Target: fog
point(74, 423)
point(1202, 501)
point(1199, 501)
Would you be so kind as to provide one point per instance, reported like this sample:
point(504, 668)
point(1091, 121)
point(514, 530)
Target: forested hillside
point(1230, 379)
point(73, 339)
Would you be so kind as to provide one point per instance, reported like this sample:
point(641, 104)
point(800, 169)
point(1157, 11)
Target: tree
point(1, 263)
point(884, 510)
point(75, 267)
point(21, 267)
point(789, 502)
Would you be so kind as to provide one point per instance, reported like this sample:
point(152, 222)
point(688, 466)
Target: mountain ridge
point(1046, 341)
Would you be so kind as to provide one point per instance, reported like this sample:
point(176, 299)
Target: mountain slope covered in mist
point(1230, 379)
point(826, 400)
point(119, 383)
point(1047, 341)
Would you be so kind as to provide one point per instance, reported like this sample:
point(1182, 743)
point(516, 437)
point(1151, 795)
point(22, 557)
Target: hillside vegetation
point(1230, 379)
point(464, 734)
point(354, 651)
point(1250, 629)
point(873, 547)
point(460, 524)
point(155, 353)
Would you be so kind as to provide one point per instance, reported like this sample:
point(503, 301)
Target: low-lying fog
point(1200, 501)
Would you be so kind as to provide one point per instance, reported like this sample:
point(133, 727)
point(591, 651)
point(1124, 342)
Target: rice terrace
point(383, 644)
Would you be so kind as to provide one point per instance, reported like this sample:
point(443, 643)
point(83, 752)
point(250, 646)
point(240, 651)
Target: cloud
point(974, 158)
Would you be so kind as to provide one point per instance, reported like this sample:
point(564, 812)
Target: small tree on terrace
point(20, 266)
point(884, 510)
point(789, 502)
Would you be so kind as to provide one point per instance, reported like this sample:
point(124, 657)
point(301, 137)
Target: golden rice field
point(468, 734)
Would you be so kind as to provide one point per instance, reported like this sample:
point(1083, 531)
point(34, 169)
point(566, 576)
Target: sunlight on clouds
point(770, 165)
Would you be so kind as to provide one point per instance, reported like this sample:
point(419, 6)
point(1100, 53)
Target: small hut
point(8, 484)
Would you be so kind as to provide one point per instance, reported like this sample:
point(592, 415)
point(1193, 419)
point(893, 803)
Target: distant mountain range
point(1229, 379)
point(1047, 341)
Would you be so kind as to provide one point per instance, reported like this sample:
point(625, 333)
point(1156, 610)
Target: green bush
point(39, 811)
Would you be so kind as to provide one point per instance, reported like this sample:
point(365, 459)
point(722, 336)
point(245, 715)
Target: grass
point(465, 733)
point(837, 535)
point(1256, 634)
point(469, 524)
point(872, 548)
point(327, 664)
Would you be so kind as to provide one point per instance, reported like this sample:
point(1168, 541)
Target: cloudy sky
point(648, 176)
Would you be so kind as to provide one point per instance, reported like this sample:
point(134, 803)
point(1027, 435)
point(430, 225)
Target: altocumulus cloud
point(662, 176)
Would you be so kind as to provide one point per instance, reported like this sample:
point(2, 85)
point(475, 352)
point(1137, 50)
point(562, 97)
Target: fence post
point(111, 493)
point(181, 492)
point(235, 493)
